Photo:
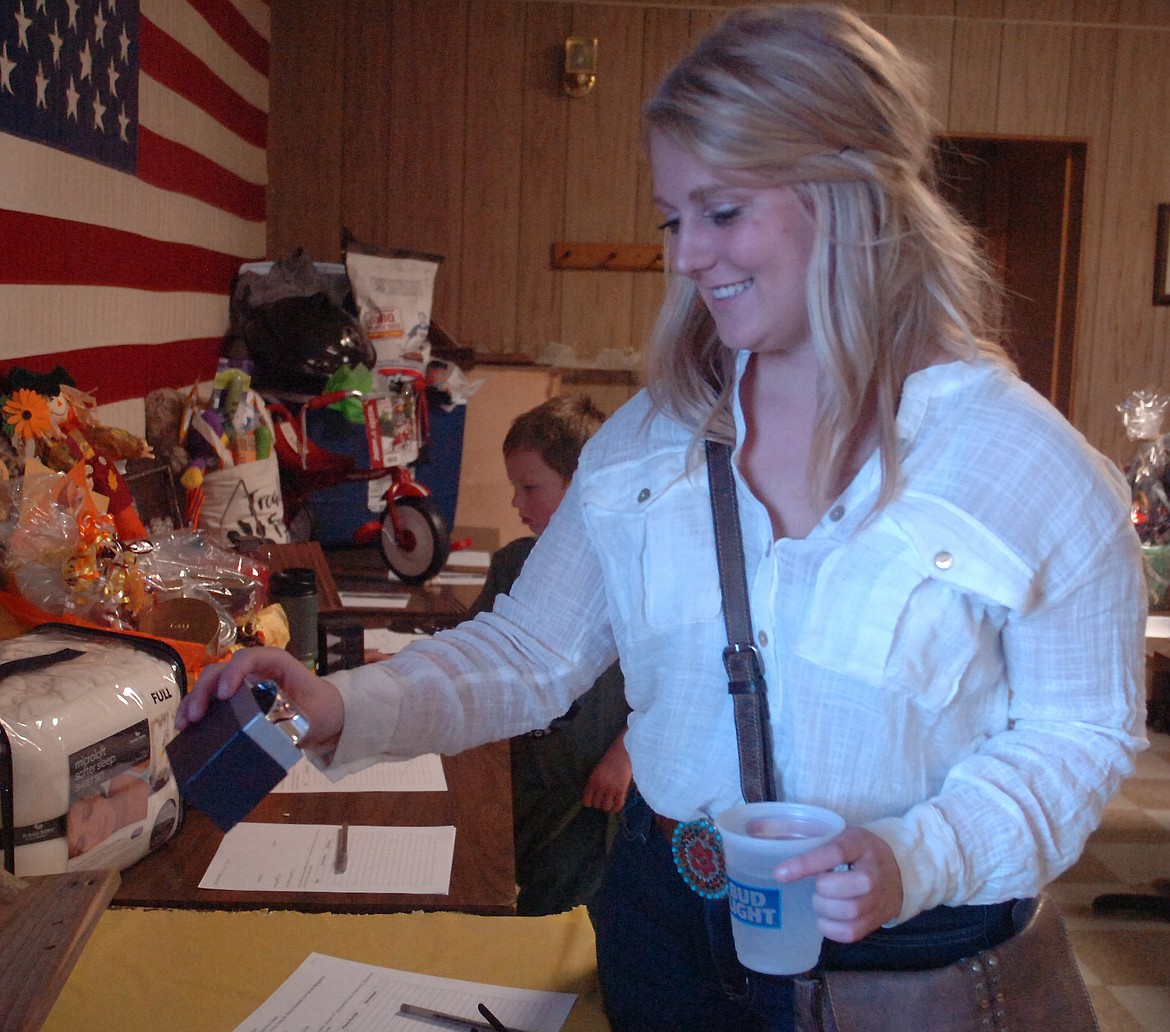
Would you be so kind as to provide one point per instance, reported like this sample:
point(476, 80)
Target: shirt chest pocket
point(653, 527)
point(913, 602)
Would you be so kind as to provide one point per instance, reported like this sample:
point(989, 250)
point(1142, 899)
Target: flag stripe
point(176, 118)
point(142, 368)
point(172, 166)
point(178, 20)
point(39, 249)
point(233, 28)
point(257, 14)
point(177, 68)
point(43, 181)
point(39, 319)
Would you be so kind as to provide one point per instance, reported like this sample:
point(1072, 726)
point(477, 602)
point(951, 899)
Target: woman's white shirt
point(961, 672)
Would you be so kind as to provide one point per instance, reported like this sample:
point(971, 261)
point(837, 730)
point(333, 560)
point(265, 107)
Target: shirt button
point(643, 494)
point(763, 636)
point(944, 560)
point(836, 512)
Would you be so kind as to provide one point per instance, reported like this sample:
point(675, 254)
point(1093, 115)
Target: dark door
point(1026, 198)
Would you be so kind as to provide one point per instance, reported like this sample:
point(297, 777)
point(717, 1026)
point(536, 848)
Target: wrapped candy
point(62, 552)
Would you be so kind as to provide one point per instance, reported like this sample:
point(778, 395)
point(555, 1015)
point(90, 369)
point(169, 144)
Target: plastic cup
point(774, 925)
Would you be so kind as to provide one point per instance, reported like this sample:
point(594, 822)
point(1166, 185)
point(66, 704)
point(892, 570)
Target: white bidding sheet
point(388, 642)
point(372, 600)
point(422, 774)
point(255, 857)
point(330, 994)
point(471, 577)
point(469, 559)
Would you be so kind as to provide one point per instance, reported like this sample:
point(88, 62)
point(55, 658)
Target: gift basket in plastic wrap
point(1148, 474)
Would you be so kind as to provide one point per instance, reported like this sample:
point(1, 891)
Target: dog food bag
point(85, 715)
point(393, 297)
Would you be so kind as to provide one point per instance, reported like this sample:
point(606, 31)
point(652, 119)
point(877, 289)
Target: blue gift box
point(238, 753)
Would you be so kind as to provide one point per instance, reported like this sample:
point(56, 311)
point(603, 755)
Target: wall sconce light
point(580, 65)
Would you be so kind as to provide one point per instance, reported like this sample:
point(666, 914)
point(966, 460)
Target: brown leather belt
point(666, 826)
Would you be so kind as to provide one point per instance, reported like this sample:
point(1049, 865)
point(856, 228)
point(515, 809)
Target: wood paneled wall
point(440, 125)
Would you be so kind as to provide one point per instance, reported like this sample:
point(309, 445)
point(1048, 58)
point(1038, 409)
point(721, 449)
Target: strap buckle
point(745, 668)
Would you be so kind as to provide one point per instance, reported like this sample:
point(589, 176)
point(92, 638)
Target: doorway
point(1026, 197)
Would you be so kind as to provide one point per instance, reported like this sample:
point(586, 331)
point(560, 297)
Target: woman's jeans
point(666, 959)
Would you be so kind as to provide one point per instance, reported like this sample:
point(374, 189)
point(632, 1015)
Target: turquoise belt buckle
point(697, 848)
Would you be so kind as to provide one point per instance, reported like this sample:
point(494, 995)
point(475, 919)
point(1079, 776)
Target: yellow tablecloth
point(206, 971)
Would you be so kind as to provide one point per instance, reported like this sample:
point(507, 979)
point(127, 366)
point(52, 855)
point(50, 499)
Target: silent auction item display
point(121, 615)
point(72, 544)
point(1148, 474)
point(230, 475)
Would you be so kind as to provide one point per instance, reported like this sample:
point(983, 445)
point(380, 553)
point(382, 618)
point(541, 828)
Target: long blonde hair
point(810, 96)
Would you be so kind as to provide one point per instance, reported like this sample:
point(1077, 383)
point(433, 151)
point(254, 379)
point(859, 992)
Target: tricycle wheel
point(420, 548)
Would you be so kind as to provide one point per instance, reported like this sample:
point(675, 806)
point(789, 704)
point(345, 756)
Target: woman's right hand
point(317, 699)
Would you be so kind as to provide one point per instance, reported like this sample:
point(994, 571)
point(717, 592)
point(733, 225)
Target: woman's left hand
point(850, 903)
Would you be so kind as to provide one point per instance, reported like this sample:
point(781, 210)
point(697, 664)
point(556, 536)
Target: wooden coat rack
point(608, 257)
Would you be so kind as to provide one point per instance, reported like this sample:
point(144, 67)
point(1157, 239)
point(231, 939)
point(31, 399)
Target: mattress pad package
point(85, 715)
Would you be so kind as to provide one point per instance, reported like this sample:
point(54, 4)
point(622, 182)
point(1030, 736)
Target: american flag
point(133, 170)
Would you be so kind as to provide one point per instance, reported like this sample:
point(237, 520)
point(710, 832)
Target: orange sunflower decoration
point(27, 413)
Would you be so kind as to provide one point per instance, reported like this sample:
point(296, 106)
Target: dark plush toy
point(164, 419)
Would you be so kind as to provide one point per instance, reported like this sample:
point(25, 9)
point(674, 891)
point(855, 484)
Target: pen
point(492, 1020)
point(341, 859)
point(470, 1023)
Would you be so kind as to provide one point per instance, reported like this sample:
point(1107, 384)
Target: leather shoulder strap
point(741, 657)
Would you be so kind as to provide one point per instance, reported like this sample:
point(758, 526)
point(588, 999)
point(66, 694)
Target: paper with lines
point(460, 577)
point(255, 857)
point(422, 774)
point(444, 576)
point(331, 993)
point(382, 639)
point(372, 600)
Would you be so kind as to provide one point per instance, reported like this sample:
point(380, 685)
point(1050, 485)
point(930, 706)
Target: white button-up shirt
point(961, 672)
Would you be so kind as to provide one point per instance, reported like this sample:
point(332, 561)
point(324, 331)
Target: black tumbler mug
point(295, 588)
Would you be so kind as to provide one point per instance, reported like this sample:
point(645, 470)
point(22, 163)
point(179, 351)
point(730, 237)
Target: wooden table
point(361, 568)
point(478, 802)
point(308, 553)
point(429, 607)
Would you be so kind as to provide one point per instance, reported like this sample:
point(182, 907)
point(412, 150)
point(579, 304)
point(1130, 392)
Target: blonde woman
point(943, 580)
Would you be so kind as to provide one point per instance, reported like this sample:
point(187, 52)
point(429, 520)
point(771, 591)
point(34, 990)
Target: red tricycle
point(414, 536)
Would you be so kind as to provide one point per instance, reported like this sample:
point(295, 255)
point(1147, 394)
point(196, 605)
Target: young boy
point(569, 780)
